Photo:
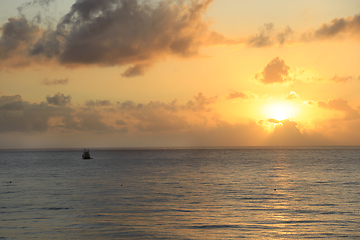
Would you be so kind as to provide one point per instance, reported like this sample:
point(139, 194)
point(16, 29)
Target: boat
point(86, 154)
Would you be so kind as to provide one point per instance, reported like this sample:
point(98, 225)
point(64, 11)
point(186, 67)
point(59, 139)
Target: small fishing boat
point(86, 154)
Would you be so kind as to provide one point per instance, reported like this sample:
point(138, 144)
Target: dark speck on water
point(181, 193)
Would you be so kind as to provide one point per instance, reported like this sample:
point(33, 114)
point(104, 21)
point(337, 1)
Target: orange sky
point(170, 73)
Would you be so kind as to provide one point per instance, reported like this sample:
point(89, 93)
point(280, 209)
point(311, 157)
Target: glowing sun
point(280, 110)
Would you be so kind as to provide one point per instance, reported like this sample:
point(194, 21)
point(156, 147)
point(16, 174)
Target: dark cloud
point(55, 82)
point(267, 36)
point(274, 72)
point(59, 99)
point(237, 95)
point(98, 103)
point(337, 27)
point(343, 79)
point(16, 35)
point(131, 33)
point(342, 105)
point(127, 32)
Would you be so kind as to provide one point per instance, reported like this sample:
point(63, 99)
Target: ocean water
point(258, 193)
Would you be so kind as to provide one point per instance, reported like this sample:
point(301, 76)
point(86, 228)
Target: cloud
point(344, 79)
point(121, 122)
point(136, 70)
point(11, 103)
point(90, 121)
point(157, 116)
point(129, 105)
point(115, 32)
point(55, 82)
point(16, 35)
point(226, 134)
point(59, 99)
point(273, 120)
point(98, 103)
point(159, 121)
point(342, 105)
point(337, 27)
point(286, 134)
point(309, 103)
point(292, 95)
point(267, 36)
point(42, 3)
point(200, 103)
point(17, 115)
point(237, 95)
point(153, 116)
point(274, 72)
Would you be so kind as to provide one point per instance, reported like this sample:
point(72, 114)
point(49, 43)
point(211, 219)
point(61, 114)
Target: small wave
point(55, 208)
point(215, 226)
point(351, 183)
point(8, 192)
point(323, 204)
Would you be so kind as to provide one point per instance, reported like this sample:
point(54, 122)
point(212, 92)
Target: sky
point(171, 73)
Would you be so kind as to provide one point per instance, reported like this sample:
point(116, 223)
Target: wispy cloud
point(342, 79)
point(55, 82)
point(337, 27)
point(267, 36)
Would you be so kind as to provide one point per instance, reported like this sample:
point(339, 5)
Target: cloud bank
point(192, 123)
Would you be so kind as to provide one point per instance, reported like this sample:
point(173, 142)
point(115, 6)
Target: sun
point(280, 110)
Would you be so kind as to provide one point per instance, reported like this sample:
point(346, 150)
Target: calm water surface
point(259, 193)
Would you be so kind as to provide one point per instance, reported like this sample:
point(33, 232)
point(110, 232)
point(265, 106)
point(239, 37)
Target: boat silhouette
point(86, 154)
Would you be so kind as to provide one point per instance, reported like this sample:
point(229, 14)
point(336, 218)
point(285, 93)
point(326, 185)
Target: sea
point(181, 193)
